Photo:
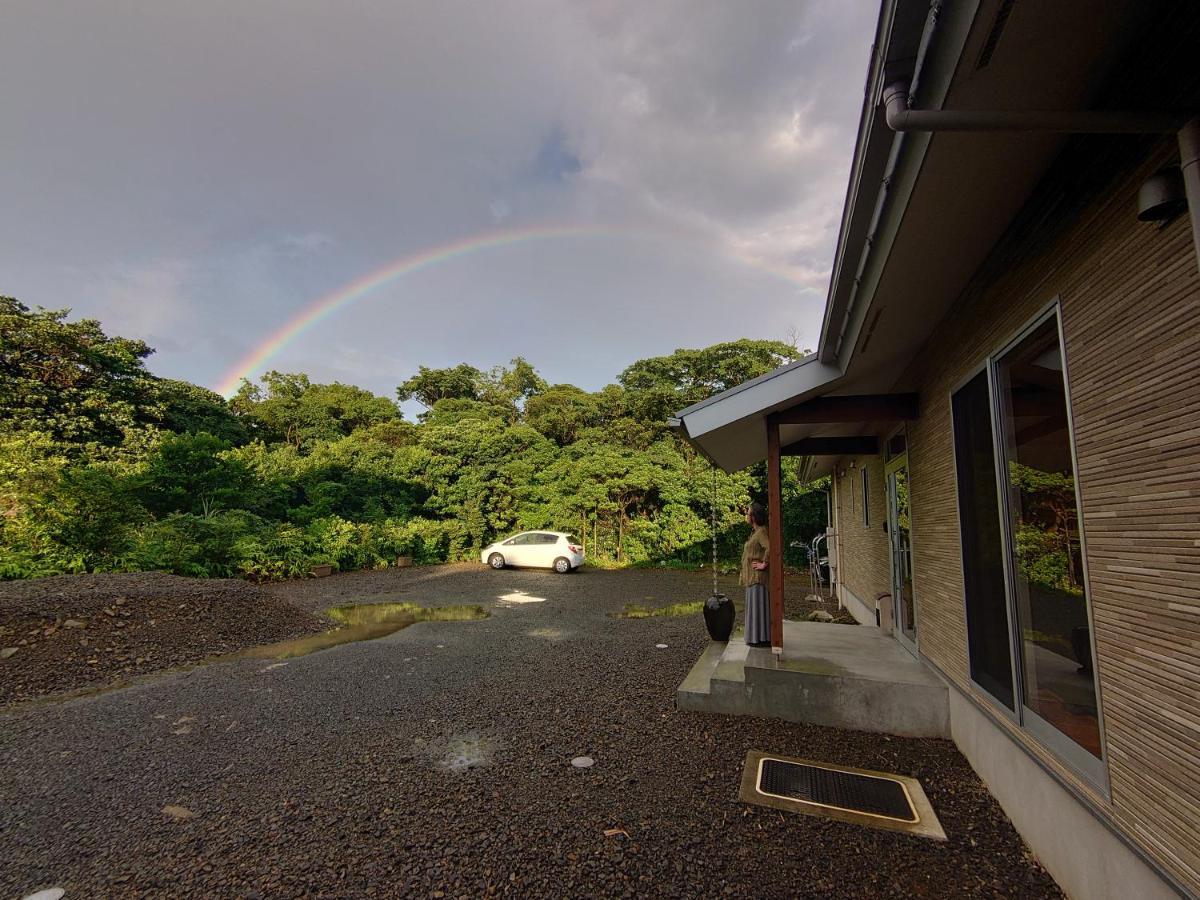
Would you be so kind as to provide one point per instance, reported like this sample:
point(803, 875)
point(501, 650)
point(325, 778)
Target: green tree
point(191, 473)
point(428, 386)
point(70, 379)
point(562, 412)
point(189, 408)
point(289, 408)
point(661, 385)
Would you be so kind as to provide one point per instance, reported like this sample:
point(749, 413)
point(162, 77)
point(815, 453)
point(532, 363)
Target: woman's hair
point(758, 513)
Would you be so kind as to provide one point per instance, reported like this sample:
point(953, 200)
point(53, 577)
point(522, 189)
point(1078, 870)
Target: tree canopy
point(105, 467)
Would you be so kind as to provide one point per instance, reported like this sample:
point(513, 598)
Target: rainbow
point(324, 307)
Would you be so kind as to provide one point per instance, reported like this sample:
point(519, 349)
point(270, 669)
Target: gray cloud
point(196, 174)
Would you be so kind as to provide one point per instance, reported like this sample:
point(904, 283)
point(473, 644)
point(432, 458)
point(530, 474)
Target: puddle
point(467, 750)
point(359, 622)
point(516, 598)
point(550, 634)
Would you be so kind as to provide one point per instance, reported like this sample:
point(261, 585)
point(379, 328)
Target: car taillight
point(573, 548)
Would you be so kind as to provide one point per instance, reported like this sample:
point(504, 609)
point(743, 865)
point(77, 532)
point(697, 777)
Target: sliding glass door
point(900, 536)
point(1028, 620)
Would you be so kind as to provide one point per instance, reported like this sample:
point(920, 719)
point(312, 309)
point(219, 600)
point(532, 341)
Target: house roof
point(923, 210)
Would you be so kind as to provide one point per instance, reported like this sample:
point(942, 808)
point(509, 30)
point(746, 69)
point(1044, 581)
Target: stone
point(819, 615)
point(73, 623)
point(583, 762)
point(54, 893)
point(179, 813)
point(661, 646)
point(7, 652)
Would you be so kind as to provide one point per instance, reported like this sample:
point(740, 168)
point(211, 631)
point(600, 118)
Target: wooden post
point(775, 535)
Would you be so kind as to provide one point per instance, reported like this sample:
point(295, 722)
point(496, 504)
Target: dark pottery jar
point(718, 617)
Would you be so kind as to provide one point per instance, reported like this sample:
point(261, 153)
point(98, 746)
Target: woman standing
point(754, 563)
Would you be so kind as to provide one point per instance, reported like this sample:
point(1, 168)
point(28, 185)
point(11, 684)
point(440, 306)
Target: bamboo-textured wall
point(865, 552)
point(1130, 299)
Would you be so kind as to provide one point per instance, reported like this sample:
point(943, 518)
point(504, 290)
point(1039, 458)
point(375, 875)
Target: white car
point(555, 550)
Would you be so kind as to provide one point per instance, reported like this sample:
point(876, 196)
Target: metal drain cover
point(859, 796)
point(835, 788)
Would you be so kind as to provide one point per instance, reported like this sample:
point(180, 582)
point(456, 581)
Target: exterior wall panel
point(865, 551)
point(1130, 300)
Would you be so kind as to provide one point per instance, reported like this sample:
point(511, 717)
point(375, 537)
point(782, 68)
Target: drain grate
point(857, 796)
point(866, 794)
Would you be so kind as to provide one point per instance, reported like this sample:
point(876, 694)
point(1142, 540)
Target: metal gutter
point(885, 189)
point(945, 33)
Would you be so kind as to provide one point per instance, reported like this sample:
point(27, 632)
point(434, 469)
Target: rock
point(819, 615)
point(54, 893)
point(583, 762)
point(7, 652)
point(73, 623)
point(178, 813)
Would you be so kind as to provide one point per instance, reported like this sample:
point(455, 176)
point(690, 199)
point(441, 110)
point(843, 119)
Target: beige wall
point(866, 570)
point(1130, 299)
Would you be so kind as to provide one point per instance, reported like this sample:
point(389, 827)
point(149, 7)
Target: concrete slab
point(842, 676)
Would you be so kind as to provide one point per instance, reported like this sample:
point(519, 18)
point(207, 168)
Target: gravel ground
point(73, 632)
point(436, 762)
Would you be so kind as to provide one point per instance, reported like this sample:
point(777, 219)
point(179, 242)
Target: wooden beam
point(832, 446)
point(775, 536)
point(861, 408)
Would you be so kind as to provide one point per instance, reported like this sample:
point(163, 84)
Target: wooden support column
point(775, 535)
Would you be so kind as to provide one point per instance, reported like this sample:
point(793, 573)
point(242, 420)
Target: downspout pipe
point(1189, 165)
point(901, 118)
point(881, 201)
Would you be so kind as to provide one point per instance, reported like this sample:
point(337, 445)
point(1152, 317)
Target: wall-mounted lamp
point(1161, 197)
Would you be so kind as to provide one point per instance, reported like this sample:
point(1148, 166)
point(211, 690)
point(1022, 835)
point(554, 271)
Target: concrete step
point(694, 693)
point(841, 676)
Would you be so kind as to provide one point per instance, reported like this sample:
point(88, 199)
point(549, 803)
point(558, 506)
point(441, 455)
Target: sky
point(202, 175)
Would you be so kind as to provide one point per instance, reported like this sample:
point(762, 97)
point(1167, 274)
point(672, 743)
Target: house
point(1006, 394)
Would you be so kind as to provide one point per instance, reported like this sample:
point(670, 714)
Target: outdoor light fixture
point(1161, 196)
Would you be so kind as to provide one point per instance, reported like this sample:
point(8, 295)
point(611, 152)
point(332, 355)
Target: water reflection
point(360, 622)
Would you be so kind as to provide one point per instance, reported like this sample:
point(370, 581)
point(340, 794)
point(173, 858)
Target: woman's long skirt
point(758, 616)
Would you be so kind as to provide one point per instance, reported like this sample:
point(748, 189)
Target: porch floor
point(842, 676)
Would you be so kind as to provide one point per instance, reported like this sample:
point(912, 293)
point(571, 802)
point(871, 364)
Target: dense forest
point(106, 467)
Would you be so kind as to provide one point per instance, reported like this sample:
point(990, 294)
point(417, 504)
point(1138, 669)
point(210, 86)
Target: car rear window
point(571, 539)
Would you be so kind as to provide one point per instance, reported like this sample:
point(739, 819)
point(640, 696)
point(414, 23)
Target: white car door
point(545, 550)
point(516, 550)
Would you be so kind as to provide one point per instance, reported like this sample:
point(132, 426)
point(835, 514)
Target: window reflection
point(1057, 679)
point(988, 644)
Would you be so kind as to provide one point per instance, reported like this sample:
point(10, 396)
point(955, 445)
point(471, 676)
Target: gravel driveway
point(437, 762)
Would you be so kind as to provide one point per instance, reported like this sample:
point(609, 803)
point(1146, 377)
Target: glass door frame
point(891, 467)
point(1094, 770)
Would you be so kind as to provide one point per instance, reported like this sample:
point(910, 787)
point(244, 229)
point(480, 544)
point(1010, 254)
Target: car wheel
point(496, 561)
point(562, 565)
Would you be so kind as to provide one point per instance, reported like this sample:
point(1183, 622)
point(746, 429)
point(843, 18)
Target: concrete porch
point(842, 676)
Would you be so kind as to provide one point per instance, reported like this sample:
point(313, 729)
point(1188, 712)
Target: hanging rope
point(714, 529)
